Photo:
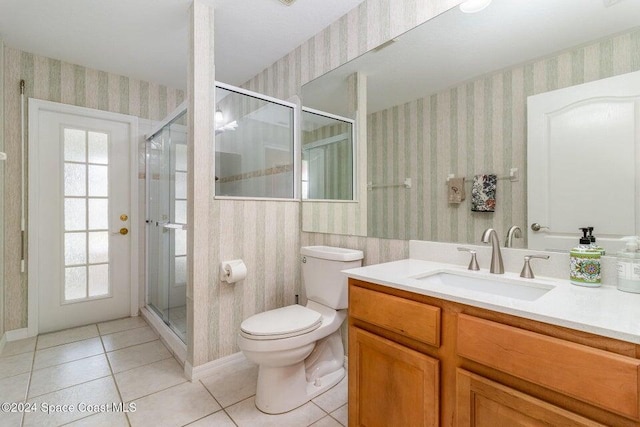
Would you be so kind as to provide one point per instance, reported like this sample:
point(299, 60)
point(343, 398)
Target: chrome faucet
point(496, 257)
point(514, 231)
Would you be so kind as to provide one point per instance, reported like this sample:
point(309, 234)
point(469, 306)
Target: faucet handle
point(473, 263)
point(526, 272)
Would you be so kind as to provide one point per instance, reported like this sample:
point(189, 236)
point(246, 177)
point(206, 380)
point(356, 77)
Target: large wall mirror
point(449, 99)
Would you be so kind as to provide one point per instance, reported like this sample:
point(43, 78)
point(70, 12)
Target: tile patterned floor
point(124, 361)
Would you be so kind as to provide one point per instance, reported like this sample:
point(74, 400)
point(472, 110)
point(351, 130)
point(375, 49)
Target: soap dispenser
point(629, 266)
point(585, 263)
point(593, 242)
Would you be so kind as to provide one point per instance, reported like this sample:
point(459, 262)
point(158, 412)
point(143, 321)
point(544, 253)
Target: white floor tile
point(175, 406)
point(137, 355)
point(97, 392)
point(121, 325)
point(333, 398)
point(56, 377)
point(67, 353)
point(67, 336)
point(326, 422)
point(128, 338)
point(10, 419)
point(17, 347)
point(104, 419)
point(14, 389)
point(14, 365)
point(245, 414)
point(342, 415)
point(219, 419)
point(146, 373)
point(149, 379)
point(235, 383)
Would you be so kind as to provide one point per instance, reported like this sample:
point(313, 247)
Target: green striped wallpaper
point(475, 128)
point(58, 81)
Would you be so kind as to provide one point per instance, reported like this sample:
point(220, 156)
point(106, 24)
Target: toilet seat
point(280, 323)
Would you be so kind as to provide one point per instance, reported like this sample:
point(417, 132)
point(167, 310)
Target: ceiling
point(147, 39)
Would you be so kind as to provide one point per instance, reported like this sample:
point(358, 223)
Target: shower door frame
point(176, 344)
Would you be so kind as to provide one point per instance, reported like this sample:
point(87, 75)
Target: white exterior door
point(80, 218)
point(583, 163)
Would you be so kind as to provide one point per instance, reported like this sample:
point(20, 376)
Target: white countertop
point(603, 311)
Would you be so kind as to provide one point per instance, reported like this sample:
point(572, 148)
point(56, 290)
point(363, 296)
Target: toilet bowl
point(299, 349)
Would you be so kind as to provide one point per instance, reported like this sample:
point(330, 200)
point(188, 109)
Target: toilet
point(298, 349)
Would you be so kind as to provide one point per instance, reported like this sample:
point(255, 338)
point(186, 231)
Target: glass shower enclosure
point(166, 223)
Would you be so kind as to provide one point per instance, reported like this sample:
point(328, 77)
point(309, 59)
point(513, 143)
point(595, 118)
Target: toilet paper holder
point(233, 271)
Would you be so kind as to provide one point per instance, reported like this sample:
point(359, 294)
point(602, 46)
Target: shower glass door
point(167, 225)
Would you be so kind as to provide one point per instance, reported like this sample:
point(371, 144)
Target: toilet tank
point(321, 273)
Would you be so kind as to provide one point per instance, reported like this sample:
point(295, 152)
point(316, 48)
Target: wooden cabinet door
point(389, 384)
point(483, 403)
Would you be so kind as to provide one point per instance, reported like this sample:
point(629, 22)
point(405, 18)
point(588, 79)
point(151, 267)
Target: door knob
point(537, 227)
point(124, 217)
point(124, 231)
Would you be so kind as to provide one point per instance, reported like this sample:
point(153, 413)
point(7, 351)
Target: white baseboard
point(210, 368)
point(17, 334)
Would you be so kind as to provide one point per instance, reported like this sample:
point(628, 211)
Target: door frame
point(33, 256)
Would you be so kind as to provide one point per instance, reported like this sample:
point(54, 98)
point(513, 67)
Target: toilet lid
point(290, 320)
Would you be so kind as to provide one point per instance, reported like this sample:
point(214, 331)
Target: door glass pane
point(181, 242)
point(75, 214)
point(98, 148)
point(75, 248)
point(181, 270)
point(75, 282)
point(98, 214)
point(98, 181)
point(86, 207)
point(98, 247)
point(181, 185)
point(74, 145)
point(181, 157)
point(75, 179)
point(181, 212)
point(98, 280)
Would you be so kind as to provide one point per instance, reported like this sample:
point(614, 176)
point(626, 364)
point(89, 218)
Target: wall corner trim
point(194, 373)
point(17, 334)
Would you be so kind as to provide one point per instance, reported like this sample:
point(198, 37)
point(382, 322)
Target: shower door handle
point(174, 226)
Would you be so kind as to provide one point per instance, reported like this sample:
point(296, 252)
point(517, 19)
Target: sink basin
point(527, 291)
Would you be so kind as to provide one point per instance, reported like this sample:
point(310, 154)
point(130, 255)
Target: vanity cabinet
point(482, 402)
point(421, 361)
point(391, 382)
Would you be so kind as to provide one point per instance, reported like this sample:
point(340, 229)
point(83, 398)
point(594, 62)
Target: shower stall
point(166, 222)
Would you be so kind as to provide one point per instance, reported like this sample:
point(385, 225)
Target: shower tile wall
point(58, 81)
